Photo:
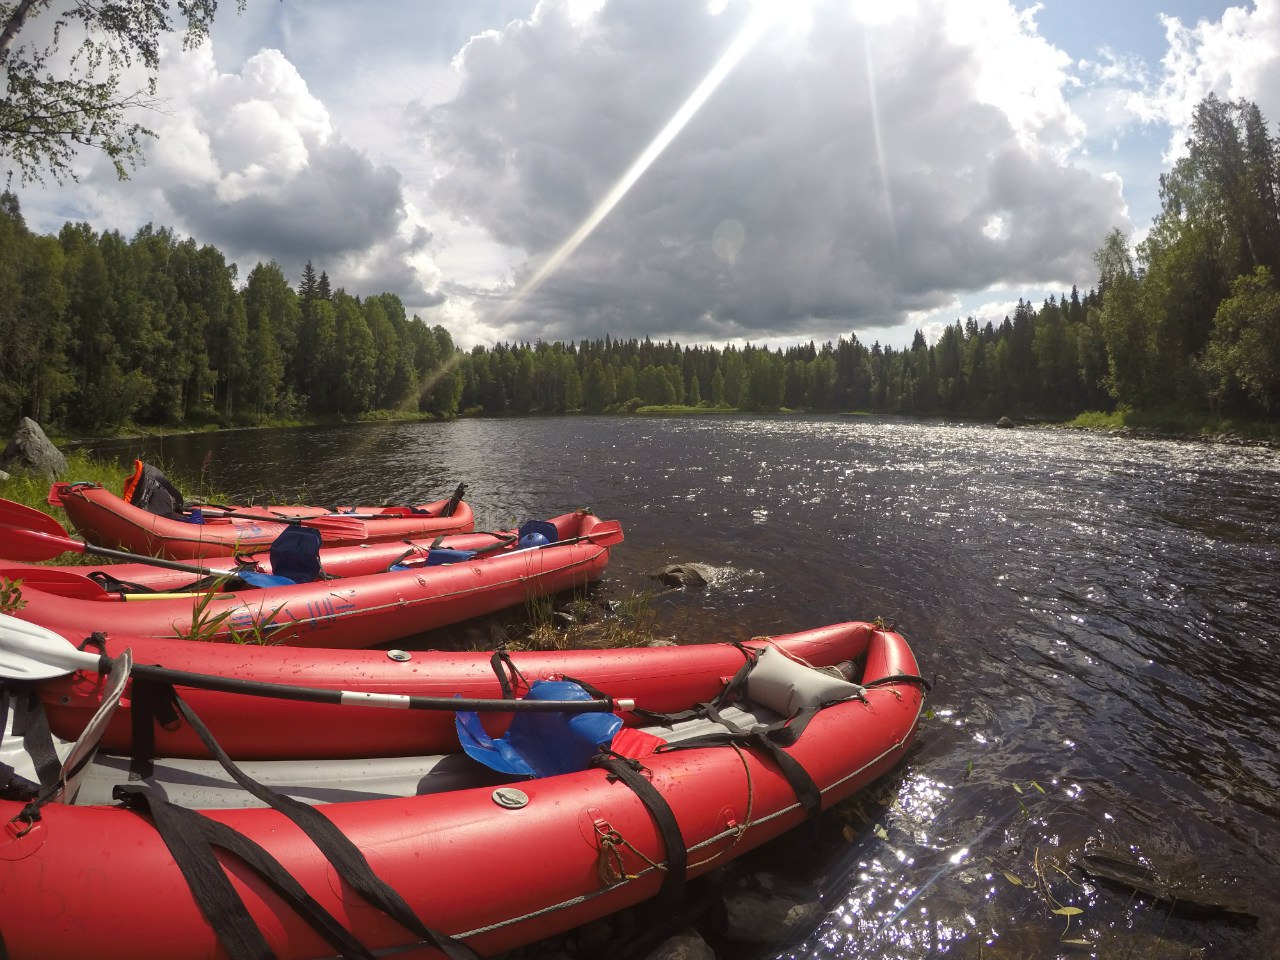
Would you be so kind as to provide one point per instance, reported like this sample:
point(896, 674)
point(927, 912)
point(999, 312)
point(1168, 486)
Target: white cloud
point(1237, 56)
point(865, 167)
point(862, 166)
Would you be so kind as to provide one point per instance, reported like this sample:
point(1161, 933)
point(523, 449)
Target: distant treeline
point(97, 332)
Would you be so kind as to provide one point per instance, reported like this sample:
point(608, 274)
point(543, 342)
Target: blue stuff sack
point(537, 533)
point(255, 579)
point(541, 744)
point(442, 555)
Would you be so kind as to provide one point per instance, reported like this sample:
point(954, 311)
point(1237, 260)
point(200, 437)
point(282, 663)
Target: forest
point(100, 333)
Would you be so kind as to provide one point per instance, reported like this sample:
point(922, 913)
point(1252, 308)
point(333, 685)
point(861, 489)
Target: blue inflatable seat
point(541, 744)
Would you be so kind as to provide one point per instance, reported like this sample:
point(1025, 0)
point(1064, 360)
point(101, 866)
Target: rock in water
point(693, 576)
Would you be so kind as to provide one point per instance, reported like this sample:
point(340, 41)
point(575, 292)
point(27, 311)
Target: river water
point(1098, 616)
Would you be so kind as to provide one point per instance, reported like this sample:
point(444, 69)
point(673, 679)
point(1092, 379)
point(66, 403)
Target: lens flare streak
point(759, 21)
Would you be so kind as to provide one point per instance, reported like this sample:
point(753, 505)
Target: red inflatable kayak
point(659, 679)
point(361, 609)
point(481, 869)
point(354, 561)
point(106, 520)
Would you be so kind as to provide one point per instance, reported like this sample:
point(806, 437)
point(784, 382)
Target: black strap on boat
point(628, 771)
point(191, 838)
point(336, 846)
point(115, 585)
point(765, 738)
point(721, 699)
point(151, 705)
point(31, 725)
point(499, 660)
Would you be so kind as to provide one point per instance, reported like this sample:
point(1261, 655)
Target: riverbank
point(1183, 427)
point(1138, 425)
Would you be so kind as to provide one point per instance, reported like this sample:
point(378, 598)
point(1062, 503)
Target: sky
point(706, 171)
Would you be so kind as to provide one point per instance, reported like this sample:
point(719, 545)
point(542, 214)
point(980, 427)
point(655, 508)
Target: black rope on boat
point(900, 678)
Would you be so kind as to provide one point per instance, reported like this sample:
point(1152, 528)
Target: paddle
point(332, 525)
point(452, 504)
point(31, 535)
point(32, 652)
point(70, 585)
point(607, 533)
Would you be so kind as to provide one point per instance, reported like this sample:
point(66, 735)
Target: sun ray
point(759, 21)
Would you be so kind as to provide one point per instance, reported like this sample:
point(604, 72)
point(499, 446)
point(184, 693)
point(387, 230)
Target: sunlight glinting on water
point(1097, 618)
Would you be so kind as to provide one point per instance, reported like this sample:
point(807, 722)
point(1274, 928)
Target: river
point(1097, 614)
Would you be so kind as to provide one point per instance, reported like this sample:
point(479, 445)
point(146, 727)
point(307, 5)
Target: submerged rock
point(1177, 886)
point(685, 945)
point(763, 908)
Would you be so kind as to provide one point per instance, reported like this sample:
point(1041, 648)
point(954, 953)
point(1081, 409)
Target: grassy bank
point(34, 491)
point(1178, 424)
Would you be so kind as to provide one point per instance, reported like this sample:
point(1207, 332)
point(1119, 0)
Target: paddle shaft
point(153, 561)
point(284, 691)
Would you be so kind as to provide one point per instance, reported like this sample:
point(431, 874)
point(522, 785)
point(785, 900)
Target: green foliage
point(1242, 362)
point(11, 596)
point(58, 98)
point(99, 333)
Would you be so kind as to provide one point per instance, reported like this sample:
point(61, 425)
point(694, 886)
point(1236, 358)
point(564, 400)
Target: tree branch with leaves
point(64, 94)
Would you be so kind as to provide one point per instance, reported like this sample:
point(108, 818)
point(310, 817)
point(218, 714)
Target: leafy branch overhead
point(66, 88)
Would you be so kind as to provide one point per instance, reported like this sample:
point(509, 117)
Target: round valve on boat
point(510, 797)
point(400, 656)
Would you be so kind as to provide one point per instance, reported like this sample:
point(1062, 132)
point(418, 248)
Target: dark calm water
point(1100, 617)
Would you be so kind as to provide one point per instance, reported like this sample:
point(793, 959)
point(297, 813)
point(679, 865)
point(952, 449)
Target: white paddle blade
point(86, 745)
point(29, 651)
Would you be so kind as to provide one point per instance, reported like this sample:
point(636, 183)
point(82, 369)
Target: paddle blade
point(606, 533)
point(29, 651)
point(337, 528)
point(33, 545)
point(19, 515)
point(57, 581)
point(86, 745)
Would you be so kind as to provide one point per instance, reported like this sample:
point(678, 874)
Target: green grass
point(33, 491)
point(1191, 424)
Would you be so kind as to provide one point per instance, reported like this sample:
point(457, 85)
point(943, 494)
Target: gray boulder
point(768, 910)
point(692, 576)
point(685, 945)
point(31, 452)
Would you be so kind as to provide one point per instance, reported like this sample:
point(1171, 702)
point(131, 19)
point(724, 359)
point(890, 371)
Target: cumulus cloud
point(253, 165)
point(252, 162)
point(1235, 57)
point(843, 176)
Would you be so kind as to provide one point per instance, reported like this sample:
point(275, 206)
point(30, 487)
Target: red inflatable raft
point(480, 869)
point(659, 679)
point(360, 609)
point(104, 519)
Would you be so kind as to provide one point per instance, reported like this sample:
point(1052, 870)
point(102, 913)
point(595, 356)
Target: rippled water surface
point(1099, 617)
